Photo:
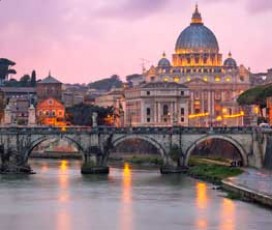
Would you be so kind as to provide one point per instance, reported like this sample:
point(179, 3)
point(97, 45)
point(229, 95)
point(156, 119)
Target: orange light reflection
point(202, 204)
point(63, 217)
point(228, 221)
point(201, 195)
point(63, 181)
point(126, 217)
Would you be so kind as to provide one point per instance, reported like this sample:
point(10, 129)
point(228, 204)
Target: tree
point(81, 114)
point(256, 96)
point(33, 78)
point(5, 70)
point(25, 80)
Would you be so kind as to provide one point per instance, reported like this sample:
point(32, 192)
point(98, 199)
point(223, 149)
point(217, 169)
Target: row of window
point(50, 113)
point(192, 70)
point(165, 111)
point(216, 79)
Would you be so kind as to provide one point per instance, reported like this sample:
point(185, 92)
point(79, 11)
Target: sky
point(81, 41)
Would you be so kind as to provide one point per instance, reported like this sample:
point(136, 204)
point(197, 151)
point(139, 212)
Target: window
point(182, 111)
point(165, 110)
point(60, 113)
point(197, 111)
point(147, 92)
point(182, 93)
point(182, 119)
point(148, 120)
point(217, 79)
point(148, 111)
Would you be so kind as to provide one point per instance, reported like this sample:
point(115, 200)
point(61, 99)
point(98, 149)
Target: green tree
point(81, 114)
point(5, 70)
point(33, 78)
point(25, 80)
point(256, 96)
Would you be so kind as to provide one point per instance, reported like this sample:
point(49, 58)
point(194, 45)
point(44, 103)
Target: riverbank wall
point(247, 194)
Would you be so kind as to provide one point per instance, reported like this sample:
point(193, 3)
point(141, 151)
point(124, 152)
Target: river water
point(58, 197)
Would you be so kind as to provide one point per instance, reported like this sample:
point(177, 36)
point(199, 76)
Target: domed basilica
point(213, 84)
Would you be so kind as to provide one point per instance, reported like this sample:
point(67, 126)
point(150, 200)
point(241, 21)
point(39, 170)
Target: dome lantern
point(196, 18)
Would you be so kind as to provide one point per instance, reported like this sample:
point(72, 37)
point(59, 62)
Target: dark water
point(58, 197)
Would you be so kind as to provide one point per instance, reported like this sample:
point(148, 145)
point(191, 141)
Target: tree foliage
point(255, 96)
point(5, 68)
point(33, 78)
point(81, 114)
point(107, 84)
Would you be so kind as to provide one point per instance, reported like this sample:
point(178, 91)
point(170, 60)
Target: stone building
point(49, 87)
point(50, 112)
point(18, 100)
point(156, 104)
point(114, 99)
point(214, 84)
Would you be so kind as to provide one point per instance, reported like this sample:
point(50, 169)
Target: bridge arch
point(228, 139)
point(148, 139)
point(38, 141)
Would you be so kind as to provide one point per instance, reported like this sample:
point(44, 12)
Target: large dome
point(197, 38)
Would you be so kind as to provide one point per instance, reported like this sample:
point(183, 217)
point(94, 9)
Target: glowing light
point(217, 79)
point(256, 110)
point(188, 79)
point(64, 182)
point(201, 195)
point(219, 118)
point(228, 215)
point(126, 211)
point(205, 79)
point(224, 110)
point(198, 115)
point(176, 79)
point(241, 114)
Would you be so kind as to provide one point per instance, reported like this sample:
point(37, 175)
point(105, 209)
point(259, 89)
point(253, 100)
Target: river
point(58, 197)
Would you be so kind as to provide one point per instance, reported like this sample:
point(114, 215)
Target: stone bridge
point(95, 144)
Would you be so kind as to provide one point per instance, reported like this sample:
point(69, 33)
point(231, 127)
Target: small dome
point(164, 62)
point(230, 62)
point(197, 38)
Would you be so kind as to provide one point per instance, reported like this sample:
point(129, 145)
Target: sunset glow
point(83, 41)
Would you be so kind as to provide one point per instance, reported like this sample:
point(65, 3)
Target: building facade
point(49, 87)
point(50, 112)
point(214, 84)
point(156, 104)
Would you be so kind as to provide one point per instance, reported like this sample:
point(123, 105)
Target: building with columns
point(214, 84)
point(156, 104)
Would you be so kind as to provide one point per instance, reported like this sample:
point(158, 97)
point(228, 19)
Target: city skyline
point(81, 41)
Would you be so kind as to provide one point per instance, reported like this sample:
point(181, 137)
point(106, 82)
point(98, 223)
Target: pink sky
point(81, 41)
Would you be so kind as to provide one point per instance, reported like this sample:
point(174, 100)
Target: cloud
point(133, 9)
point(259, 6)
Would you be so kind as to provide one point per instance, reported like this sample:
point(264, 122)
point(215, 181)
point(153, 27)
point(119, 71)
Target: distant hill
point(107, 84)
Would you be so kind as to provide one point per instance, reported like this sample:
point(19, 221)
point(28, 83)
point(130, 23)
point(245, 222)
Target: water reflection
point(63, 215)
point(227, 220)
point(202, 200)
point(201, 195)
point(126, 217)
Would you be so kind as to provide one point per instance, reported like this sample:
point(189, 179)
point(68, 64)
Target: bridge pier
point(13, 163)
point(94, 163)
